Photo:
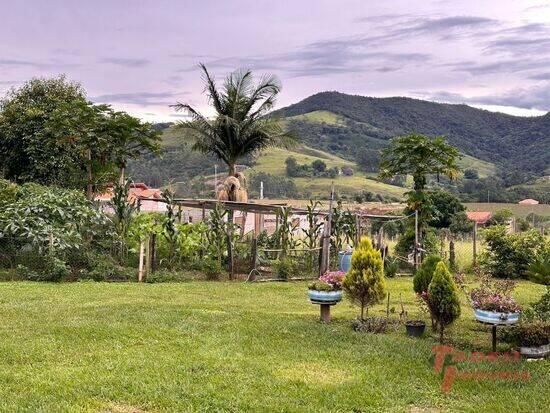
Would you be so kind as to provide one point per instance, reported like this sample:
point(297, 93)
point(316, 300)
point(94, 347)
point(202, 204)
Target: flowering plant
point(329, 281)
point(494, 296)
point(333, 278)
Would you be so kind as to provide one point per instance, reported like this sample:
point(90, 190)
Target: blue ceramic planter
point(491, 317)
point(325, 297)
point(344, 261)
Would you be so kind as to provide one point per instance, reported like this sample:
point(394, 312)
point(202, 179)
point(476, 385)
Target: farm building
point(480, 217)
point(140, 191)
point(528, 201)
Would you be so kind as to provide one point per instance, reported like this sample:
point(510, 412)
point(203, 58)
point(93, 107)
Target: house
point(480, 217)
point(138, 191)
point(529, 201)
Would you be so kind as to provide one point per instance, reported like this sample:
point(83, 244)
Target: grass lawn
point(220, 346)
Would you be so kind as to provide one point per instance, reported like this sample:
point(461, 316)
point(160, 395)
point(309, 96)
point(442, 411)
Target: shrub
point(375, 325)
point(364, 284)
point(541, 308)
point(391, 267)
point(50, 268)
point(405, 243)
point(163, 276)
point(510, 255)
point(531, 334)
point(442, 298)
point(211, 268)
point(424, 274)
point(284, 268)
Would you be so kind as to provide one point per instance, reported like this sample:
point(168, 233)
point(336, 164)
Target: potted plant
point(415, 328)
point(532, 338)
point(493, 303)
point(327, 289)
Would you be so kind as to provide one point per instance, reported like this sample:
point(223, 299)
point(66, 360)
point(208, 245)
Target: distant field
point(320, 116)
point(518, 210)
point(483, 168)
point(273, 161)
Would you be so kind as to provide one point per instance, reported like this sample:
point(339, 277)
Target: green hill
point(272, 161)
point(343, 124)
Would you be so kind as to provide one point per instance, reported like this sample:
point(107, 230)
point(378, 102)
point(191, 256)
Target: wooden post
point(147, 257)
point(416, 260)
point(230, 255)
point(153, 253)
point(325, 313)
point(452, 254)
point(254, 256)
point(357, 229)
point(325, 250)
point(140, 265)
point(475, 244)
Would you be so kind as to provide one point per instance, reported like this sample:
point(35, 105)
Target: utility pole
point(261, 189)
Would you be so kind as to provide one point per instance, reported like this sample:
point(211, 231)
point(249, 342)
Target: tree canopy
point(55, 136)
point(240, 126)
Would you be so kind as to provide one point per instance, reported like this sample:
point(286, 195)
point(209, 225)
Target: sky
point(142, 56)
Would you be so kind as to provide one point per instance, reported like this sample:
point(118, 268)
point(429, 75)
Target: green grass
point(220, 346)
point(518, 210)
point(273, 161)
point(483, 168)
point(319, 116)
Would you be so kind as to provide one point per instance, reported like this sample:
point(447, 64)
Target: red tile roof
point(481, 217)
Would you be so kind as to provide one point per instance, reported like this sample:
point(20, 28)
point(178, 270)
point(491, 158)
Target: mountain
point(343, 124)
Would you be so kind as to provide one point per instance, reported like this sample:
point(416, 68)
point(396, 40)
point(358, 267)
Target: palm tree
point(240, 126)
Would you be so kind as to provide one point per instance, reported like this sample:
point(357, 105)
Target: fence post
point(140, 265)
point(357, 229)
point(153, 253)
point(254, 256)
point(416, 237)
point(452, 254)
point(475, 244)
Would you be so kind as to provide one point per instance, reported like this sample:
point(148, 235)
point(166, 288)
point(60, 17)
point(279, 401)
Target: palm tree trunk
point(121, 175)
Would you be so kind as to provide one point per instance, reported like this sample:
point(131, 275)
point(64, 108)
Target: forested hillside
point(362, 122)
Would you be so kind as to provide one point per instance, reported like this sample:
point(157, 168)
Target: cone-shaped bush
point(423, 276)
point(443, 298)
point(364, 284)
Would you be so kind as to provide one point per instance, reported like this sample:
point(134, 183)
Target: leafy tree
point(130, 138)
point(318, 167)
point(56, 137)
point(123, 214)
point(36, 154)
point(364, 284)
point(443, 300)
point(423, 277)
point(502, 217)
point(444, 206)
point(510, 255)
point(460, 224)
point(347, 171)
point(274, 186)
point(368, 160)
point(240, 126)
point(419, 156)
point(471, 174)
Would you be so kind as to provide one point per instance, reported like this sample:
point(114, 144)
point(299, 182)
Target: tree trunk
point(89, 187)
point(121, 178)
